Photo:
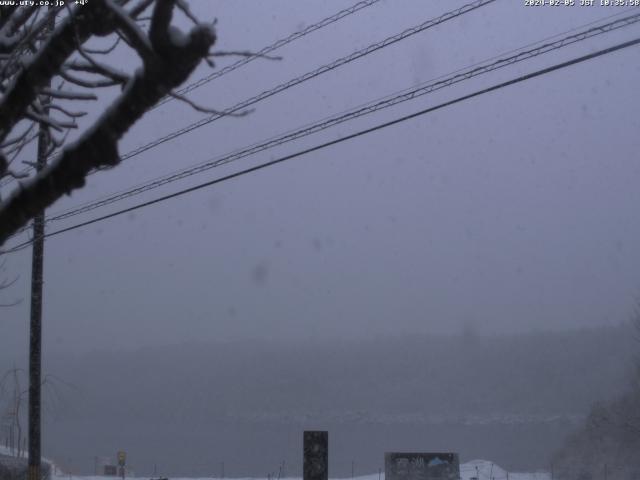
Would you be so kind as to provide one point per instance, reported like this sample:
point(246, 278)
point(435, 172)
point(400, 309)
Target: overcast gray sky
point(514, 211)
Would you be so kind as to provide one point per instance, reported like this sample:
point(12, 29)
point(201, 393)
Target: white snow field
point(480, 469)
point(472, 470)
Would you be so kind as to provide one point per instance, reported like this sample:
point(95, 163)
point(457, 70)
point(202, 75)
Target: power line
point(360, 111)
point(522, 78)
point(276, 140)
point(374, 47)
point(243, 61)
point(307, 76)
point(371, 107)
point(270, 48)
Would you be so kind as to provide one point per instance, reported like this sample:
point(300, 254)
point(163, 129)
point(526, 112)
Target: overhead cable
point(522, 78)
point(243, 105)
point(369, 108)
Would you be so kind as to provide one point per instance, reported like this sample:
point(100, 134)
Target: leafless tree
point(49, 63)
point(610, 435)
point(5, 282)
point(13, 399)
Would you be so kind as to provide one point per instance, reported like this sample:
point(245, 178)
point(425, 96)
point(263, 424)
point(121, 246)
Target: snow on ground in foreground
point(486, 470)
point(480, 469)
point(483, 469)
point(11, 453)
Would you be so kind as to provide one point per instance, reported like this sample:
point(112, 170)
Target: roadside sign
point(122, 458)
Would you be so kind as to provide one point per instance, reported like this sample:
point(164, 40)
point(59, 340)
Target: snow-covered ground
point(472, 470)
point(7, 451)
point(480, 469)
point(486, 470)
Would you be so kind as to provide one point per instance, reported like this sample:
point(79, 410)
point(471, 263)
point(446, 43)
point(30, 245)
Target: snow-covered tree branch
point(33, 59)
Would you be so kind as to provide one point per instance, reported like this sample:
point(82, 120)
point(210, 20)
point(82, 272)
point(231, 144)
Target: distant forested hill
point(440, 376)
point(187, 408)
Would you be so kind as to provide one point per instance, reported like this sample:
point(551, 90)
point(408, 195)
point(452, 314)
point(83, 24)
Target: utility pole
point(35, 330)
point(35, 327)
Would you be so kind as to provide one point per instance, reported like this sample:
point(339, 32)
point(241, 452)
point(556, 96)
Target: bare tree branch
point(48, 61)
point(160, 23)
point(49, 121)
point(132, 33)
point(243, 53)
point(97, 148)
point(5, 284)
point(81, 82)
point(66, 112)
point(184, 7)
point(5, 14)
point(136, 11)
point(202, 109)
point(69, 95)
point(105, 51)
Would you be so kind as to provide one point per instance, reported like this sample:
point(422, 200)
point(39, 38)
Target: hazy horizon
point(510, 398)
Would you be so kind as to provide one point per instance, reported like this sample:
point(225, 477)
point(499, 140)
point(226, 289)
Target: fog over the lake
point(512, 213)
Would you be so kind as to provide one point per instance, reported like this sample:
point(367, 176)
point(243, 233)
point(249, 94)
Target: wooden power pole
point(35, 324)
point(35, 329)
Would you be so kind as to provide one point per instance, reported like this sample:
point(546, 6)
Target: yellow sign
point(122, 458)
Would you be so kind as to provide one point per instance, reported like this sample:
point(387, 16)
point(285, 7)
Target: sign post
point(315, 462)
point(421, 466)
point(122, 460)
